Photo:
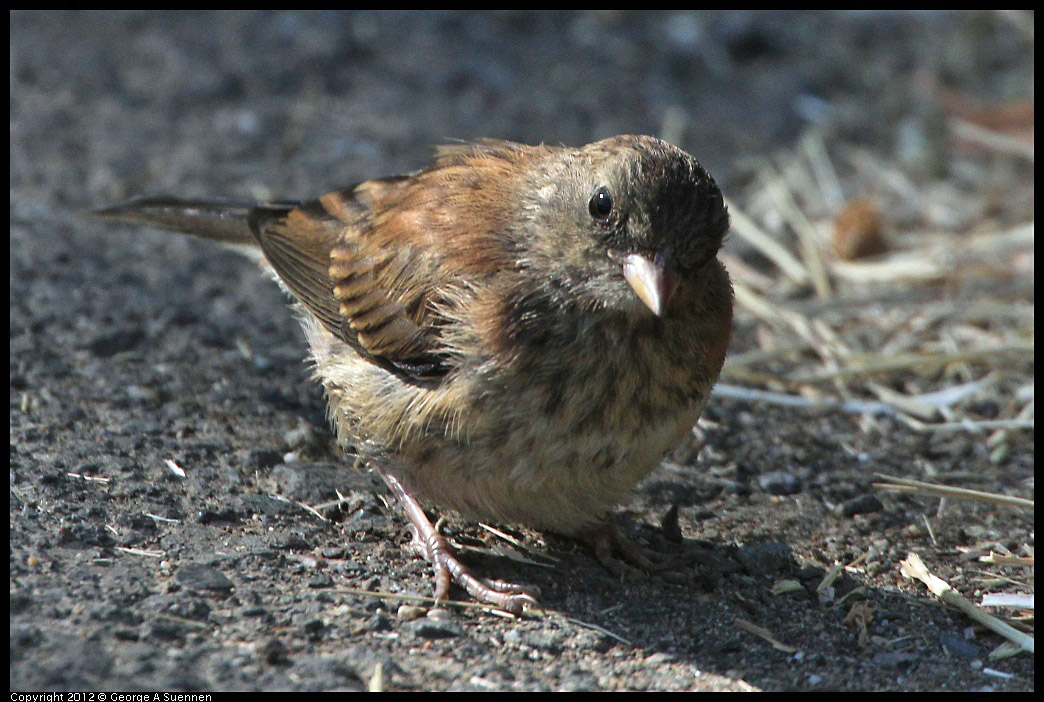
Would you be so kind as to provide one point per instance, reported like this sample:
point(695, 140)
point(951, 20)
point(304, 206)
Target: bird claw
point(620, 555)
point(438, 551)
point(511, 597)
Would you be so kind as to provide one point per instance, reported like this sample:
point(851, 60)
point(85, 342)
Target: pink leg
point(448, 568)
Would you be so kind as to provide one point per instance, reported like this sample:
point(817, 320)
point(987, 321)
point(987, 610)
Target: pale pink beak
point(652, 280)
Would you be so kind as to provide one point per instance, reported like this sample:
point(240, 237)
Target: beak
point(652, 280)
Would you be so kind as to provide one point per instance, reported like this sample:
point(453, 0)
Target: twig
point(1014, 600)
point(519, 545)
point(806, 233)
point(991, 139)
point(980, 425)
point(600, 630)
point(478, 605)
point(907, 485)
point(765, 634)
point(776, 398)
point(823, 169)
point(407, 597)
point(1004, 560)
point(140, 552)
point(158, 518)
point(914, 360)
point(913, 567)
point(745, 228)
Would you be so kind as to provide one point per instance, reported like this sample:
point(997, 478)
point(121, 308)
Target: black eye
point(601, 205)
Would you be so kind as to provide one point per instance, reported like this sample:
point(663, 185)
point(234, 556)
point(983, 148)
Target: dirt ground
point(165, 434)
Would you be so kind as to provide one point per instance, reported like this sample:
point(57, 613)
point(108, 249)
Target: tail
point(229, 223)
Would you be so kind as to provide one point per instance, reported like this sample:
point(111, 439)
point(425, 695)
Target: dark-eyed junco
point(519, 333)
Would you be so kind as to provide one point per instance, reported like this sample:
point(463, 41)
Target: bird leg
point(448, 568)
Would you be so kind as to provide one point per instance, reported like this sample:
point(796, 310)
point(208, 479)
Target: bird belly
point(544, 472)
point(504, 451)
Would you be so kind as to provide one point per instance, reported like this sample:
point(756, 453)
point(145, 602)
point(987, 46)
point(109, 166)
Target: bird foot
point(448, 568)
point(512, 597)
point(620, 555)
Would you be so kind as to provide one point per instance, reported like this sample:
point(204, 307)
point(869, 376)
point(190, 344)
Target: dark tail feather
point(224, 222)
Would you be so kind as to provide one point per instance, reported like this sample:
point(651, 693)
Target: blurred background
point(878, 167)
point(245, 98)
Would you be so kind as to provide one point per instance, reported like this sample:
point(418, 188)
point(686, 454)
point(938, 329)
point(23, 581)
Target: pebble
point(161, 630)
point(440, 614)
point(780, 482)
point(430, 629)
point(408, 612)
point(300, 437)
point(199, 576)
point(111, 342)
point(764, 559)
point(379, 622)
point(959, 647)
point(273, 651)
point(895, 659)
point(322, 580)
point(864, 504)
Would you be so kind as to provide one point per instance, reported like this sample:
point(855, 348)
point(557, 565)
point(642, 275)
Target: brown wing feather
point(372, 262)
point(297, 245)
point(310, 249)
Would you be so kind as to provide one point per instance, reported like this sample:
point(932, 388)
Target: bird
point(515, 333)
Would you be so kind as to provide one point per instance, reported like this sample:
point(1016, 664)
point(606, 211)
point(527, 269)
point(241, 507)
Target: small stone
point(897, 659)
point(429, 629)
point(300, 437)
point(111, 342)
point(273, 652)
point(322, 580)
point(780, 482)
point(161, 630)
point(379, 622)
point(408, 612)
point(764, 559)
point(959, 647)
point(440, 614)
point(864, 504)
point(199, 576)
point(858, 231)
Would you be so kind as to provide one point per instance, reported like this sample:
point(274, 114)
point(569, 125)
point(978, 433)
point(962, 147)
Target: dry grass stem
point(743, 226)
point(766, 635)
point(913, 567)
point(140, 552)
point(1014, 600)
point(807, 235)
point(909, 486)
point(934, 329)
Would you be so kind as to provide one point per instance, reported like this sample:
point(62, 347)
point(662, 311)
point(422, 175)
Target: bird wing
point(386, 265)
point(378, 296)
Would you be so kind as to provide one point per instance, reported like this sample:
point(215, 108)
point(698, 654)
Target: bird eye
point(601, 205)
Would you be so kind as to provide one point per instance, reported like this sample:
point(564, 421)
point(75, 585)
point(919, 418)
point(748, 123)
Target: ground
point(166, 438)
